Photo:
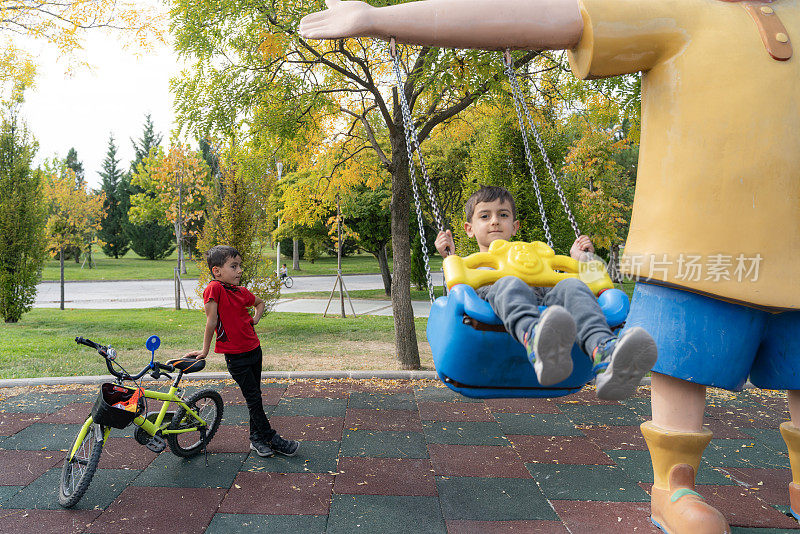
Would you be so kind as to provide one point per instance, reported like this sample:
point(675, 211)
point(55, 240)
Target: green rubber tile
point(601, 414)
point(587, 483)
point(6, 492)
point(168, 470)
point(377, 514)
point(238, 414)
point(461, 526)
point(440, 394)
point(771, 439)
point(744, 453)
point(249, 523)
point(538, 424)
point(311, 457)
point(39, 436)
point(394, 401)
point(106, 485)
point(464, 433)
point(311, 407)
point(38, 402)
point(640, 406)
point(637, 465)
point(383, 444)
point(493, 499)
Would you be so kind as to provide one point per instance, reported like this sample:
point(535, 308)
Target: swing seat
point(476, 357)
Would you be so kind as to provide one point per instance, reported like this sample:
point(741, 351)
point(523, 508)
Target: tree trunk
point(383, 262)
point(405, 331)
point(295, 254)
point(613, 264)
point(61, 261)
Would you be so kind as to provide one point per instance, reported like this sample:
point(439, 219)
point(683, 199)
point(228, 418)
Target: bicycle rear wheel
point(288, 282)
point(77, 473)
point(208, 405)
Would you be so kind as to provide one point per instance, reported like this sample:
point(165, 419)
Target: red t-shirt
point(235, 332)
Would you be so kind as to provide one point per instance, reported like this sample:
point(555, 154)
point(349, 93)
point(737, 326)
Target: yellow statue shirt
point(717, 202)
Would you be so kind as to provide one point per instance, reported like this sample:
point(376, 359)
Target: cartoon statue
point(715, 232)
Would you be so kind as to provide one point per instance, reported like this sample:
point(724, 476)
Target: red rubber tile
point(233, 395)
point(153, 509)
point(610, 438)
point(371, 419)
point(125, 453)
point(454, 411)
point(48, 521)
point(739, 417)
point(477, 461)
point(588, 395)
point(723, 429)
point(320, 389)
point(279, 494)
point(522, 405)
point(385, 476)
point(307, 428)
point(74, 414)
point(460, 526)
point(20, 468)
point(605, 517)
point(11, 423)
point(231, 438)
point(770, 485)
point(385, 387)
point(559, 450)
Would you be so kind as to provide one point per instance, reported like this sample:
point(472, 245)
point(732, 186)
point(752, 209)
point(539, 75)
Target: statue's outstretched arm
point(484, 24)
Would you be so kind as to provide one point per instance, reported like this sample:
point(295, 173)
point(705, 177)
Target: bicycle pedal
point(156, 444)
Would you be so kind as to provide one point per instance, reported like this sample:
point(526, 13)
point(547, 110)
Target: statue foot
point(681, 510)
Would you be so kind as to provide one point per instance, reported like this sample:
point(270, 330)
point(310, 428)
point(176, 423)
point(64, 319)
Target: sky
point(81, 110)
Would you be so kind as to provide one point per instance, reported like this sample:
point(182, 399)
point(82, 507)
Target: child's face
point(490, 221)
point(231, 272)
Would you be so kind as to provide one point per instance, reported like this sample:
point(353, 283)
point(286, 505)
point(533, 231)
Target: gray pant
point(517, 305)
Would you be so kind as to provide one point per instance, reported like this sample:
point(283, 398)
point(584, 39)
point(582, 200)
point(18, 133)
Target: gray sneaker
point(620, 363)
point(287, 447)
point(550, 347)
point(262, 449)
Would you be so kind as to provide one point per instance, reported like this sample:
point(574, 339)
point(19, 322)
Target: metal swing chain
point(512, 76)
point(411, 136)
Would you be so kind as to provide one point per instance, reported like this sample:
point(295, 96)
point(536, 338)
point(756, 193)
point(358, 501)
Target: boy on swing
point(572, 312)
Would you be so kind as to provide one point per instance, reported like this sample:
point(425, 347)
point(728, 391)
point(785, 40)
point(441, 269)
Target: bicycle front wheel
point(208, 405)
point(77, 472)
point(288, 282)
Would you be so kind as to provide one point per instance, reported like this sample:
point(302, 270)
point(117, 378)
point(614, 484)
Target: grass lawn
point(42, 343)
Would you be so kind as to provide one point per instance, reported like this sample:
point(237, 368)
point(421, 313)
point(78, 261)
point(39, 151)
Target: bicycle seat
point(187, 365)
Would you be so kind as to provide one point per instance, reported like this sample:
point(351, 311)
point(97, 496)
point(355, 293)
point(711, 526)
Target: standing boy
point(226, 307)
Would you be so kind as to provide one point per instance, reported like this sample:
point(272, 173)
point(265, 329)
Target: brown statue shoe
point(794, 499)
point(681, 510)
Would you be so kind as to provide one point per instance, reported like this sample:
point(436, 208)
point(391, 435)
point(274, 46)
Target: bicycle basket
point(104, 411)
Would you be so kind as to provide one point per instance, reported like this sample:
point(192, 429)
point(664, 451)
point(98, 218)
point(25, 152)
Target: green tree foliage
point(368, 214)
point(142, 147)
point(115, 208)
point(151, 240)
point(22, 221)
point(72, 162)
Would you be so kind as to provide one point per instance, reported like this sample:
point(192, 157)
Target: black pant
point(245, 369)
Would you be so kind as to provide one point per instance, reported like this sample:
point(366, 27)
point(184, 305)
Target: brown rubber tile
point(279, 493)
point(477, 461)
point(372, 419)
point(20, 468)
point(385, 476)
point(455, 411)
point(47, 521)
point(722, 429)
point(770, 485)
point(522, 405)
point(610, 438)
point(75, 413)
point(11, 423)
point(559, 450)
point(305, 428)
point(461, 526)
point(606, 517)
point(231, 438)
point(321, 389)
point(125, 453)
point(587, 395)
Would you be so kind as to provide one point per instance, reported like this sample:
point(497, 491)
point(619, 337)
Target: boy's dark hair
point(489, 193)
point(217, 256)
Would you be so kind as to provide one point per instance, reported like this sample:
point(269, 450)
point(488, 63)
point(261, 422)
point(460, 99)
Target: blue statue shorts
point(716, 343)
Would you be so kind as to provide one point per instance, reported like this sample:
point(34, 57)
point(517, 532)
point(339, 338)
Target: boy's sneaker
point(262, 449)
point(620, 363)
point(550, 349)
point(287, 447)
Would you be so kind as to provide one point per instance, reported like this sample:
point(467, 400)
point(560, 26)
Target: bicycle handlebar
point(103, 351)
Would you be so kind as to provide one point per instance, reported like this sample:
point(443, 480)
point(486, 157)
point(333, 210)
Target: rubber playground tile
point(308, 428)
point(311, 407)
point(383, 444)
point(638, 466)
point(601, 414)
point(744, 453)
point(125, 453)
point(279, 493)
point(587, 483)
point(381, 401)
point(558, 450)
point(20, 468)
point(238, 414)
point(493, 499)
point(640, 404)
point(11, 423)
point(769, 438)
point(6, 492)
point(477, 461)
point(37, 402)
point(39, 436)
point(48, 521)
point(541, 424)
point(460, 526)
point(371, 419)
point(172, 471)
point(249, 523)
point(771, 485)
point(42, 493)
point(319, 389)
point(385, 476)
point(522, 405)
point(721, 429)
point(615, 437)
point(586, 396)
point(441, 393)
point(454, 411)
point(148, 509)
point(231, 438)
point(75, 413)
point(747, 530)
point(232, 396)
point(311, 457)
point(464, 433)
point(743, 508)
point(599, 516)
point(376, 514)
point(381, 386)
point(742, 418)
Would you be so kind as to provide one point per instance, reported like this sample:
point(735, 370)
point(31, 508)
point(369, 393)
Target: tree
point(115, 208)
point(22, 221)
point(367, 213)
point(72, 162)
point(149, 140)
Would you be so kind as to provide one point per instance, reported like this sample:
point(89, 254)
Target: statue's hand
point(341, 19)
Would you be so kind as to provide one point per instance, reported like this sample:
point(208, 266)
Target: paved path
point(395, 456)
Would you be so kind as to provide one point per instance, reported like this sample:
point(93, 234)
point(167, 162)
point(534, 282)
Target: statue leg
point(676, 439)
point(790, 431)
